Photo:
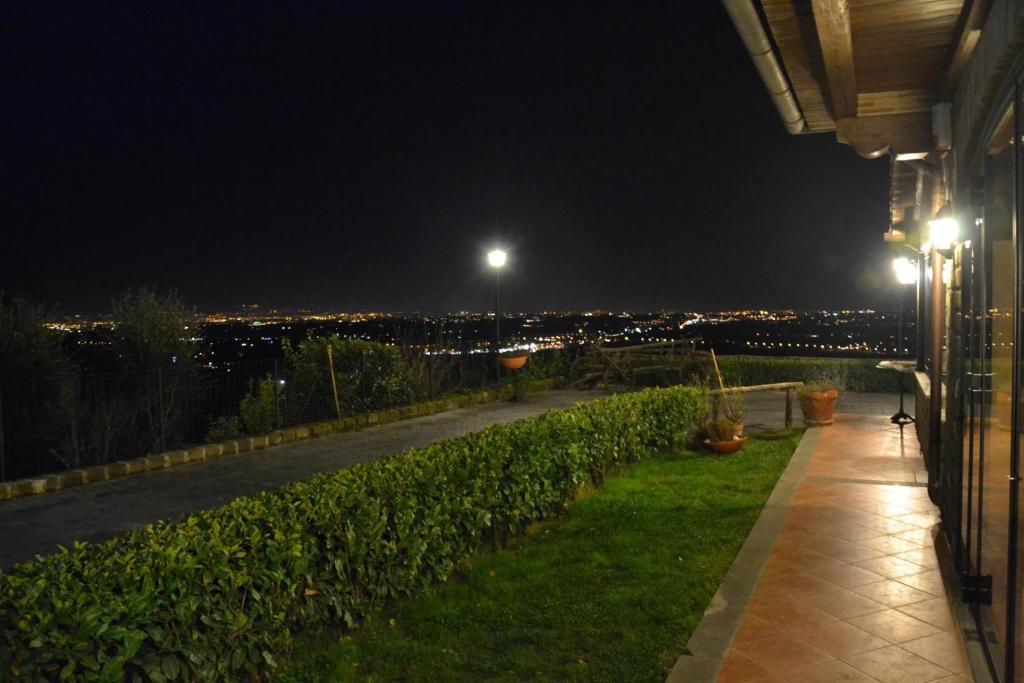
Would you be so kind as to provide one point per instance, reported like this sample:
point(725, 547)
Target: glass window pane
point(1001, 284)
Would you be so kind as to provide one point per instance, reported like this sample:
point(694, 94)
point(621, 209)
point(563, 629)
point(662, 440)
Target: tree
point(35, 375)
point(153, 332)
point(152, 340)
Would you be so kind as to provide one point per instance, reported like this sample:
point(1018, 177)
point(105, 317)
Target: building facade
point(937, 86)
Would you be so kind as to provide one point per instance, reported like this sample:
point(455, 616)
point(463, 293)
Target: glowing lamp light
point(496, 258)
point(906, 270)
point(942, 232)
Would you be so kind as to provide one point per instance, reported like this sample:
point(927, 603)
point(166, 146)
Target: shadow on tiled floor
point(851, 590)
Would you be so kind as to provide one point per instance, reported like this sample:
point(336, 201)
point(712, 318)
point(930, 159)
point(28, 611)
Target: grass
point(611, 592)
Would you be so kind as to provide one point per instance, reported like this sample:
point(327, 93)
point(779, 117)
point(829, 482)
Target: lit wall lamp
point(942, 232)
point(906, 270)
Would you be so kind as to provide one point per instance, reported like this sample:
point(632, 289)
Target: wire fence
point(78, 419)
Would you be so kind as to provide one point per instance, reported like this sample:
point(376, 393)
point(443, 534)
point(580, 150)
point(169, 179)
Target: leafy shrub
point(224, 429)
point(369, 375)
point(847, 373)
point(217, 594)
point(257, 407)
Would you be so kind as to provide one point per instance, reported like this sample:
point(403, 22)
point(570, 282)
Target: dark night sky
point(364, 156)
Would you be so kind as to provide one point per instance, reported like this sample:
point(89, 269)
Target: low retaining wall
point(96, 473)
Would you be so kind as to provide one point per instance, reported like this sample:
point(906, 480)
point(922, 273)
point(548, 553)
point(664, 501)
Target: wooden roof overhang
point(872, 70)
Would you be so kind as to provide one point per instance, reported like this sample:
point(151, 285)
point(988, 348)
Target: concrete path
point(39, 524)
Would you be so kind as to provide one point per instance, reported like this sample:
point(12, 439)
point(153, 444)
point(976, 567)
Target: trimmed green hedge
point(214, 596)
point(852, 374)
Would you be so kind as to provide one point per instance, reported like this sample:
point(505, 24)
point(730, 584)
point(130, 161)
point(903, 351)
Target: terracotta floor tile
point(839, 639)
point(845, 604)
point(850, 591)
point(789, 613)
point(739, 669)
point(847, 576)
point(893, 625)
point(887, 525)
point(890, 567)
point(782, 654)
point(800, 585)
point(925, 520)
point(930, 581)
point(829, 672)
point(844, 551)
point(920, 537)
point(896, 665)
point(955, 678)
point(754, 628)
point(853, 532)
point(889, 544)
point(942, 648)
point(935, 612)
point(892, 593)
point(922, 556)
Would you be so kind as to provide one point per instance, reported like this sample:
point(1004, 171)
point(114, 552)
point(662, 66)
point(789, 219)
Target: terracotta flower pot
point(819, 407)
point(727, 447)
point(513, 362)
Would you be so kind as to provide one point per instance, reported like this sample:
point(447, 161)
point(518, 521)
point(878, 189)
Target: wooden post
point(3, 466)
point(718, 373)
point(788, 408)
point(935, 405)
point(334, 382)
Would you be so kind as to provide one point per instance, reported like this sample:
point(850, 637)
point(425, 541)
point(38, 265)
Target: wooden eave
point(871, 70)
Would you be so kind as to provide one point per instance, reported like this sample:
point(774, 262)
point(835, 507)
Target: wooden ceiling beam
point(832, 20)
point(965, 37)
point(900, 134)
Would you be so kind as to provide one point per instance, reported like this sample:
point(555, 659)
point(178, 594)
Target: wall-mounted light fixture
point(943, 231)
point(906, 270)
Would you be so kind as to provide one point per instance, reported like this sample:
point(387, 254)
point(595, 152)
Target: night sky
point(364, 156)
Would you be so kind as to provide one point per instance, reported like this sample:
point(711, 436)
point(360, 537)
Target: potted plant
point(722, 438)
point(733, 407)
point(818, 402)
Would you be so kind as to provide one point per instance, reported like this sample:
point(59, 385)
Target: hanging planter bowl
point(513, 362)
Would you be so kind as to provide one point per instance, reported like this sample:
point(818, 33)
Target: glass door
point(1001, 280)
point(990, 366)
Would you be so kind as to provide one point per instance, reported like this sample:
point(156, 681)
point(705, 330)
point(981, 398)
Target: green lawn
point(609, 593)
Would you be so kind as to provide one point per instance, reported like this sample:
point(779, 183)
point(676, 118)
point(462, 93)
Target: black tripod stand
point(901, 417)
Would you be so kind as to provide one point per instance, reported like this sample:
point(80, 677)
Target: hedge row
point(217, 594)
point(852, 374)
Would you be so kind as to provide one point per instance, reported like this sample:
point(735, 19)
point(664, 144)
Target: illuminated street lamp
point(906, 274)
point(496, 258)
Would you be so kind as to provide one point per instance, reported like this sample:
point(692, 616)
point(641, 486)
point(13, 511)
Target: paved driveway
point(39, 524)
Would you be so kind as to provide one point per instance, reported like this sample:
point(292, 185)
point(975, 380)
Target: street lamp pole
point(497, 326)
point(497, 258)
point(906, 274)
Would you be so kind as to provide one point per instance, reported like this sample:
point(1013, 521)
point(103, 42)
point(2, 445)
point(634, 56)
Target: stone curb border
point(97, 473)
point(713, 635)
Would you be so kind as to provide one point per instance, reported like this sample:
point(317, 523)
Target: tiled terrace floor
point(851, 591)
